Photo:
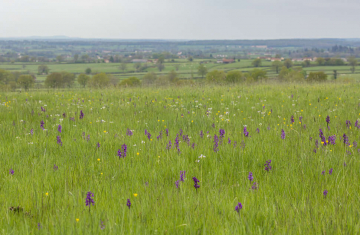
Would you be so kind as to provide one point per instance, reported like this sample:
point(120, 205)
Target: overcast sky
point(181, 19)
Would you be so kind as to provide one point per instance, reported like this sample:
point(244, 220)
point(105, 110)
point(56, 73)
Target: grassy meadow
point(46, 172)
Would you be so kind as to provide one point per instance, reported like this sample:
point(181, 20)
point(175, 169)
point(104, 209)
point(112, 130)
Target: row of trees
point(276, 65)
point(16, 79)
point(220, 77)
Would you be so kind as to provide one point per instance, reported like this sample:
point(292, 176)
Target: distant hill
point(308, 43)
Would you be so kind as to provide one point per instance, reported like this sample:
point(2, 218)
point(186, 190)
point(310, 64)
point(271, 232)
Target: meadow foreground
point(203, 160)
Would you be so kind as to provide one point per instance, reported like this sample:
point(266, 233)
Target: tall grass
point(289, 198)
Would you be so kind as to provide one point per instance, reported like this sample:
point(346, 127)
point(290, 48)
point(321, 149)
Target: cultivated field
point(186, 69)
point(130, 145)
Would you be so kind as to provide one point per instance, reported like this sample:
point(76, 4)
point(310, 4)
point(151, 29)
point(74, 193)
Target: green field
point(46, 174)
point(186, 69)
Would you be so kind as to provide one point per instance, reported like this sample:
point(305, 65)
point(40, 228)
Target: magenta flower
point(81, 114)
point(325, 192)
point(267, 165)
point(250, 177)
point(89, 200)
point(58, 139)
point(282, 134)
point(128, 203)
point(59, 128)
point(196, 181)
point(182, 175)
point(246, 133)
point(238, 207)
point(327, 120)
point(11, 172)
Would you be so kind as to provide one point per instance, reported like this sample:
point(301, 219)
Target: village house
point(228, 61)
point(139, 61)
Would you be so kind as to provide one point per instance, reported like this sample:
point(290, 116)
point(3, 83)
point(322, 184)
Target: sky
point(181, 19)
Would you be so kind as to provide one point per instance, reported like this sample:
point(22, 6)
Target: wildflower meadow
point(262, 159)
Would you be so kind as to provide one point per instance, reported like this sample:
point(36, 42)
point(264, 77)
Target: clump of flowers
point(238, 207)
point(122, 153)
point(348, 123)
point(345, 139)
point(81, 114)
point(89, 199)
point(254, 186)
point(129, 132)
point(196, 181)
point(250, 177)
point(168, 146)
point(325, 193)
point(216, 143)
point(246, 133)
point(282, 134)
point(327, 121)
point(58, 139)
point(331, 139)
point(60, 128)
point(267, 165)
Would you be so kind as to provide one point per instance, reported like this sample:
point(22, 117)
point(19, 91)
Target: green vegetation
point(312, 185)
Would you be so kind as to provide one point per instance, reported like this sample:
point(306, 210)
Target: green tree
point(26, 81)
point(288, 63)
point(320, 61)
point(131, 81)
point(100, 80)
point(60, 58)
point(256, 63)
point(137, 66)
point(276, 65)
point(68, 79)
point(160, 66)
point(172, 76)
point(161, 59)
point(88, 71)
point(149, 78)
point(258, 74)
point(83, 79)
point(43, 69)
point(317, 77)
point(216, 76)
point(202, 70)
point(234, 77)
point(283, 73)
point(54, 80)
point(190, 59)
point(6, 77)
point(85, 58)
point(353, 63)
point(123, 67)
point(306, 63)
point(76, 57)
